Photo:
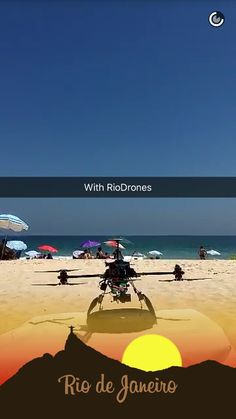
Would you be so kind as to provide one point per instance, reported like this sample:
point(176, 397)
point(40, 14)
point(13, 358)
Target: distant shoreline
point(171, 247)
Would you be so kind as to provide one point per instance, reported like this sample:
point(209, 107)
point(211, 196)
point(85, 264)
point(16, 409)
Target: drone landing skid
point(141, 297)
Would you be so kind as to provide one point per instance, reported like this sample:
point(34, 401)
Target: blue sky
point(138, 88)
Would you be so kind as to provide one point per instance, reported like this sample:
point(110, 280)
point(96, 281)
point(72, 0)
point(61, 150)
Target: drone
point(117, 280)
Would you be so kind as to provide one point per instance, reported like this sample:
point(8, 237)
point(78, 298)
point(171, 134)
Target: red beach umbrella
point(113, 243)
point(47, 248)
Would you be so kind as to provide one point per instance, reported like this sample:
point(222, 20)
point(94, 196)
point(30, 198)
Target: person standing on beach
point(118, 255)
point(202, 253)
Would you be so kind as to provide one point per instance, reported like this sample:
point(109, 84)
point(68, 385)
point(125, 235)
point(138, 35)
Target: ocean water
point(172, 247)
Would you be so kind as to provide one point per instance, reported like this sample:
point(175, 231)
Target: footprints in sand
point(56, 321)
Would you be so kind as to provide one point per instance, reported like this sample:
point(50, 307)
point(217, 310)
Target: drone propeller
point(44, 285)
point(59, 270)
point(55, 285)
point(154, 273)
point(85, 276)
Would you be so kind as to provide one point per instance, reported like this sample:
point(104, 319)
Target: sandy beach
point(209, 287)
point(197, 313)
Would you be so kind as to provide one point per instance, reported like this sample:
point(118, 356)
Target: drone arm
point(155, 273)
point(84, 276)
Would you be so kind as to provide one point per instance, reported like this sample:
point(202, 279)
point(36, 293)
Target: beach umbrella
point(120, 239)
point(113, 243)
point(16, 245)
point(32, 253)
point(155, 253)
point(11, 222)
point(213, 253)
point(90, 243)
point(77, 253)
point(138, 254)
point(48, 248)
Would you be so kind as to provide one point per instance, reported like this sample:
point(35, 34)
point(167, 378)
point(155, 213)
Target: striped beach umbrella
point(113, 243)
point(11, 222)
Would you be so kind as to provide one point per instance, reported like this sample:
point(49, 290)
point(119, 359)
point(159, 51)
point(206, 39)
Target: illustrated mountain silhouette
point(34, 391)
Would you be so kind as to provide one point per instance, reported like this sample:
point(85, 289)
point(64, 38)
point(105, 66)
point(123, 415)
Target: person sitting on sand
point(87, 254)
point(81, 256)
point(91, 256)
point(202, 253)
point(49, 256)
point(100, 254)
point(18, 254)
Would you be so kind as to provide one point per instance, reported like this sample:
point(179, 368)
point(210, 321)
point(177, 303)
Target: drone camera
point(178, 273)
point(63, 281)
point(63, 277)
point(124, 298)
point(103, 286)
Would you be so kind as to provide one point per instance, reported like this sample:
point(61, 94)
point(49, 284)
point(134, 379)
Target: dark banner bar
point(118, 187)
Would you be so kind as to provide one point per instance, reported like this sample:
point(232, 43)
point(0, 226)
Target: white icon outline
point(212, 23)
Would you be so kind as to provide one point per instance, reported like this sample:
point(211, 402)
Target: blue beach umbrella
point(155, 253)
point(16, 245)
point(32, 253)
point(138, 254)
point(213, 253)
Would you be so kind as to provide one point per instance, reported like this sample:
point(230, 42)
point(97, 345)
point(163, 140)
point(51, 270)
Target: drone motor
point(63, 277)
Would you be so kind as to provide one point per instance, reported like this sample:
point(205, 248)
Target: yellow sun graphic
point(152, 353)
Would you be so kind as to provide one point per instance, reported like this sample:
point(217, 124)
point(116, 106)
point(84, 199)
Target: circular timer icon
point(216, 19)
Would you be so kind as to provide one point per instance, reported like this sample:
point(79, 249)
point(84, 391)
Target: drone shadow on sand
point(125, 320)
point(184, 279)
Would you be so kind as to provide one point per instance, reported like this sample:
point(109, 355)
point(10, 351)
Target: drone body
point(119, 277)
point(117, 280)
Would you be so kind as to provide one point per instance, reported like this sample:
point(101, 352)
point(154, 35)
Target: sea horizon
point(171, 246)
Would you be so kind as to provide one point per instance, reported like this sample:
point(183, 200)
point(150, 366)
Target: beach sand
point(209, 288)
